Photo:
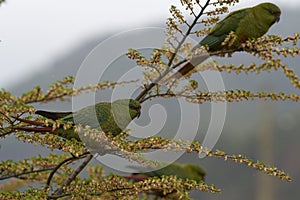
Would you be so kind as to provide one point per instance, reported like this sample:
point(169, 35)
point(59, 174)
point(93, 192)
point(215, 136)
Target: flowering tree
point(55, 175)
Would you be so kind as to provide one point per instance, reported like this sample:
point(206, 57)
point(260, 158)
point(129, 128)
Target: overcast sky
point(34, 32)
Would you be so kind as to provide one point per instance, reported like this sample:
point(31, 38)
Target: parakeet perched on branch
point(247, 23)
point(111, 117)
point(183, 171)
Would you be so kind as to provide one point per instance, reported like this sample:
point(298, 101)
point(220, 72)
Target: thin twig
point(25, 173)
point(4, 133)
point(35, 123)
point(6, 117)
point(210, 99)
point(47, 96)
point(68, 160)
point(73, 176)
point(151, 85)
point(187, 34)
point(56, 196)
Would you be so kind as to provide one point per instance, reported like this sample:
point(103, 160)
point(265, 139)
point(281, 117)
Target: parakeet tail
point(188, 69)
point(52, 115)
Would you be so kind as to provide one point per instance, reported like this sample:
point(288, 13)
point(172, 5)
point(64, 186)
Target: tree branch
point(25, 173)
point(73, 176)
point(68, 160)
point(151, 85)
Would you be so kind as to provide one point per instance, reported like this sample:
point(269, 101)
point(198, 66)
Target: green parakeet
point(247, 23)
point(183, 171)
point(112, 117)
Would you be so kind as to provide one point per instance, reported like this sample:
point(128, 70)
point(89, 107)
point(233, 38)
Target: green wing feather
point(183, 171)
point(172, 169)
point(86, 116)
point(220, 31)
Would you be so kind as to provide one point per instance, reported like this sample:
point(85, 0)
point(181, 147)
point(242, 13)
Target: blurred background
point(44, 41)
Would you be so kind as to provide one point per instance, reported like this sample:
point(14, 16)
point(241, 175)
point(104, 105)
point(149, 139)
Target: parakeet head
point(196, 171)
point(269, 12)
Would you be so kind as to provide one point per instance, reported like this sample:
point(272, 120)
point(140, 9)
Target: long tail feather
point(35, 129)
point(188, 69)
point(52, 115)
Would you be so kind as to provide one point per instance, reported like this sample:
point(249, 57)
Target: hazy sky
point(35, 32)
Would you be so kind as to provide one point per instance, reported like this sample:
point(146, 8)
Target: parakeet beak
point(277, 18)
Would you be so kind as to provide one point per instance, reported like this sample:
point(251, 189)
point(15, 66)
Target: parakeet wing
point(172, 169)
point(224, 27)
point(92, 116)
